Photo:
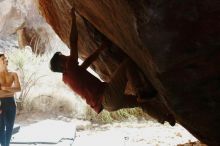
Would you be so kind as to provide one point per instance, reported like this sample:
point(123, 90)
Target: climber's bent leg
point(114, 97)
point(142, 86)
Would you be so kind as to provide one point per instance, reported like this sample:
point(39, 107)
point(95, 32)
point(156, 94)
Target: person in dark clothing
point(9, 84)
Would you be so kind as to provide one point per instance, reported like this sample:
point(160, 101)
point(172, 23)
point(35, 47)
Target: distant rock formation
point(22, 18)
point(11, 18)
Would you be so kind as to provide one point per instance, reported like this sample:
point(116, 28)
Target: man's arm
point(73, 37)
point(16, 85)
point(4, 94)
point(93, 56)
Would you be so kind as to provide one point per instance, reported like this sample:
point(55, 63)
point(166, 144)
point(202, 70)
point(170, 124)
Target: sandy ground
point(126, 133)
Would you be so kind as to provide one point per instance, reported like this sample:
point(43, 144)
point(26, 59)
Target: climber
point(99, 95)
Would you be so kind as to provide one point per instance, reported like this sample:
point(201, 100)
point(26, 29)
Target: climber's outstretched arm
point(74, 37)
point(93, 56)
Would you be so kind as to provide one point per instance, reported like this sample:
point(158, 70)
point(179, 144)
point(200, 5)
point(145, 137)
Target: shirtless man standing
point(9, 84)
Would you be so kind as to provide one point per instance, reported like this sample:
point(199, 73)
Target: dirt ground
point(132, 132)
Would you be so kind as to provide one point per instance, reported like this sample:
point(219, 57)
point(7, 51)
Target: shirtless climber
point(9, 84)
point(99, 95)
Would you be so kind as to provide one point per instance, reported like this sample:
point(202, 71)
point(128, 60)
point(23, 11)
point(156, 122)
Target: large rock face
point(175, 43)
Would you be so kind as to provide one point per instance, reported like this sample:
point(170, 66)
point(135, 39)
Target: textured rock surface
point(22, 17)
point(37, 38)
point(175, 43)
point(10, 17)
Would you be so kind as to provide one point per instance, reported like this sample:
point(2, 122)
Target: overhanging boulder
point(175, 43)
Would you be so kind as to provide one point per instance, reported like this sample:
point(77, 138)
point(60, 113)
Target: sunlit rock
point(10, 18)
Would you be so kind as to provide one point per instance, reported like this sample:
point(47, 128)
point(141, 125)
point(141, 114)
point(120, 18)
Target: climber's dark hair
point(1, 54)
point(56, 64)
